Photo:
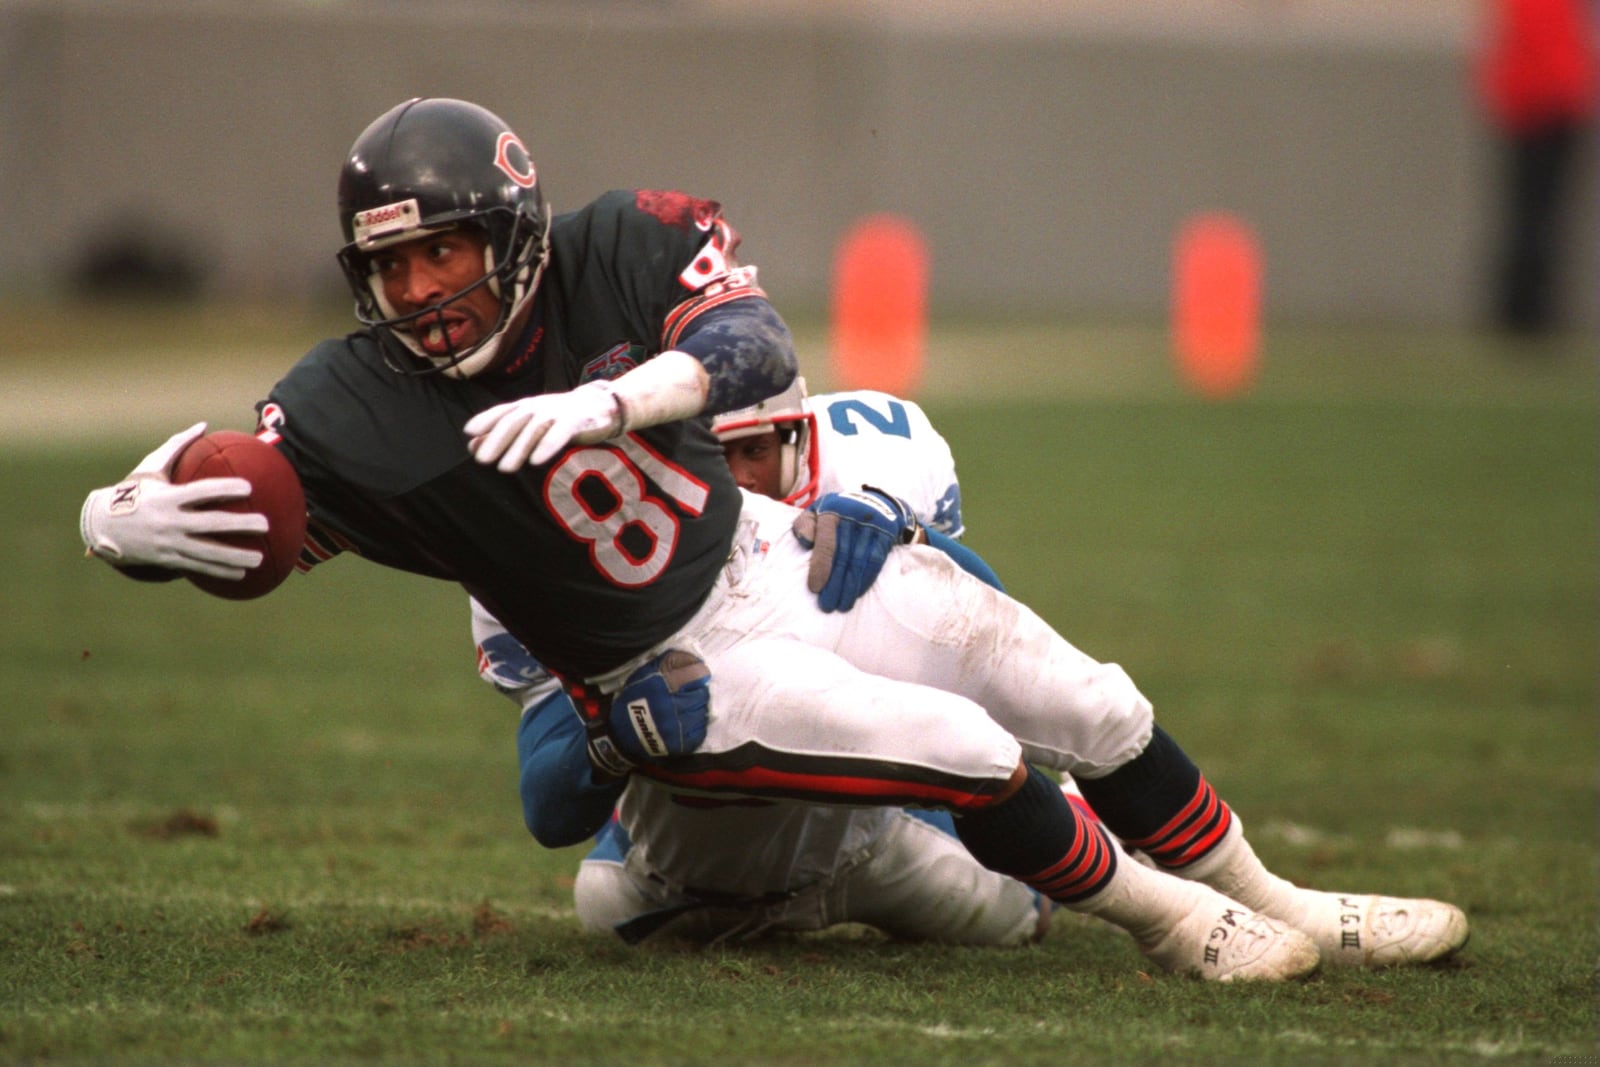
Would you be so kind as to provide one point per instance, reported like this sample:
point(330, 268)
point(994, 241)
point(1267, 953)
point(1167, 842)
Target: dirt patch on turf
point(181, 823)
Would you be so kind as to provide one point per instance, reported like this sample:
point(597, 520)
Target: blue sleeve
point(965, 558)
point(561, 802)
point(746, 349)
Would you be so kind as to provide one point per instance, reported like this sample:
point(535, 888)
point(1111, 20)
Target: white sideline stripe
point(574, 1016)
point(92, 398)
point(1397, 838)
point(1367, 1044)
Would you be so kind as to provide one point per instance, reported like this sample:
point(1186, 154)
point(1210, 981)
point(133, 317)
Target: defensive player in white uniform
point(710, 870)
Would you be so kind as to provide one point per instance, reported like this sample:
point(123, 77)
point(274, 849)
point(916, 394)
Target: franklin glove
point(850, 535)
point(146, 521)
point(661, 711)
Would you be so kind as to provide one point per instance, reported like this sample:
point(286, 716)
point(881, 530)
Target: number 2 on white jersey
point(894, 424)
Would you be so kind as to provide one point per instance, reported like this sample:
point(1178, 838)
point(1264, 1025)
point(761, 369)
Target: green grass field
point(1363, 596)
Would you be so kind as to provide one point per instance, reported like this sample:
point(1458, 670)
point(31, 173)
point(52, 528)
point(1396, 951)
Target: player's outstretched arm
point(730, 356)
point(150, 528)
point(534, 429)
point(746, 349)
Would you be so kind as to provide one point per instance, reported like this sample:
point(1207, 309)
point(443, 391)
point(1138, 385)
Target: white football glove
point(535, 428)
point(145, 520)
point(665, 388)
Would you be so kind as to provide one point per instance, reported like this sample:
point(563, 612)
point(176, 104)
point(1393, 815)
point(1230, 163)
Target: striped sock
point(1159, 803)
point(1040, 839)
point(1190, 835)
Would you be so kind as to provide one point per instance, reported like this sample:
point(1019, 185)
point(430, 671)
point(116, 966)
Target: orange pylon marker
point(1216, 304)
point(880, 306)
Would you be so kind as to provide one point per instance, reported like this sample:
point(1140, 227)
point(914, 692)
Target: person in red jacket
point(1536, 78)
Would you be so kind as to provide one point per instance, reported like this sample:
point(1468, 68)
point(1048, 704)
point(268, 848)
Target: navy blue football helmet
point(427, 166)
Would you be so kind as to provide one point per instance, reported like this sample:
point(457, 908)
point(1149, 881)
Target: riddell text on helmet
point(374, 223)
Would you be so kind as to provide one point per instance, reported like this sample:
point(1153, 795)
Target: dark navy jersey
point(593, 557)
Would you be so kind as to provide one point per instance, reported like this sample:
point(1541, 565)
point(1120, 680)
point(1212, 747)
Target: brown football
point(274, 492)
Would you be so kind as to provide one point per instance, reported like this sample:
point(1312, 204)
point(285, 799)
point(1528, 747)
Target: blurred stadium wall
point(1049, 150)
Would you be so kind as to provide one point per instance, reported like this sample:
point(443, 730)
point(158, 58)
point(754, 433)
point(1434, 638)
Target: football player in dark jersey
point(523, 413)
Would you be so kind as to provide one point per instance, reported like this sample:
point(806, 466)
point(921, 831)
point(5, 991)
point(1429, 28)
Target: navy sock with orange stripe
point(1038, 838)
point(1160, 803)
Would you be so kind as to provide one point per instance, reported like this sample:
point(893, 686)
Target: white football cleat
point(1374, 931)
point(1189, 928)
point(1351, 929)
point(1221, 940)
